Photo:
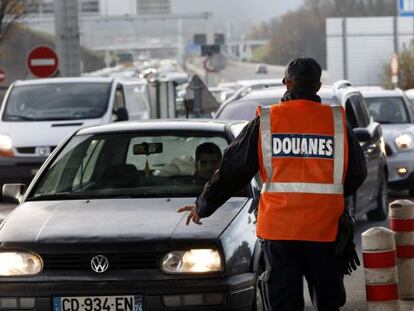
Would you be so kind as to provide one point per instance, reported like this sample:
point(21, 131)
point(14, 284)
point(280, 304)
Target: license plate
point(98, 303)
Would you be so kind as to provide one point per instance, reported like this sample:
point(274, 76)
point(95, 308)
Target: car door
point(368, 192)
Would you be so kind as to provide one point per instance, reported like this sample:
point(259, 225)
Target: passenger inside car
point(136, 165)
point(208, 158)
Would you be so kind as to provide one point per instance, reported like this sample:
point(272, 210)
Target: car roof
point(268, 92)
point(65, 80)
point(278, 92)
point(259, 81)
point(381, 93)
point(410, 93)
point(208, 125)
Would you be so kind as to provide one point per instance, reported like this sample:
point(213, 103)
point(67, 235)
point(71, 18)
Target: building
point(359, 48)
point(46, 7)
point(153, 7)
point(109, 7)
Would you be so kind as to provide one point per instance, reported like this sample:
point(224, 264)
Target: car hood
point(105, 220)
point(42, 133)
point(392, 131)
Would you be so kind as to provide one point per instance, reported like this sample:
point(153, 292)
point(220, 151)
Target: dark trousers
point(287, 262)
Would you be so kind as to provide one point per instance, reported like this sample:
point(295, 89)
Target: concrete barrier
point(380, 267)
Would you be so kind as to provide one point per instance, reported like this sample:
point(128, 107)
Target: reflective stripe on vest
point(318, 188)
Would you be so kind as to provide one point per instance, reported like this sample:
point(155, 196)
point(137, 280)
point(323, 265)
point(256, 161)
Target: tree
point(405, 70)
point(303, 32)
point(11, 11)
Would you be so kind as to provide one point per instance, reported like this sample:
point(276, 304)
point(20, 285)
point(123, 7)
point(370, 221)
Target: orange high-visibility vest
point(303, 157)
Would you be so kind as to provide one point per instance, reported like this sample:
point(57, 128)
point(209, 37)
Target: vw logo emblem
point(99, 264)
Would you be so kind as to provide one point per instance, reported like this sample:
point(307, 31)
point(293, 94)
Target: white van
point(37, 114)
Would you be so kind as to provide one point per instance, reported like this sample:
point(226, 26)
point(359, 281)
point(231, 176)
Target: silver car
point(392, 109)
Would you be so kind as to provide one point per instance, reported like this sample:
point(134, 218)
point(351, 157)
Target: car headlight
point(404, 141)
point(6, 146)
point(19, 264)
point(192, 261)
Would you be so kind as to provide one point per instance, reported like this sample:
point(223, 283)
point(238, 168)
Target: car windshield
point(57, 101)
point(130, 165)
point(388, 110)
point(244, 109)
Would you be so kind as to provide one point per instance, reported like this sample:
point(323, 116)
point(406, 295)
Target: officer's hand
point(352, 263)
point(192, 215)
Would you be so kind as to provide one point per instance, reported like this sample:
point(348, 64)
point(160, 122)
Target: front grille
point(82, 262)
point(26, 150)
point(31, 150)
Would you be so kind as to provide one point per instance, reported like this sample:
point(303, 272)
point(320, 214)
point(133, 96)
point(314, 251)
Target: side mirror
point(13, 193)
point(121, 114)
point(362, 134)
point(255, 202)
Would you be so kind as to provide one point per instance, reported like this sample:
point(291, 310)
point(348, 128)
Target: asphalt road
point(240, 71)
point(355, 284)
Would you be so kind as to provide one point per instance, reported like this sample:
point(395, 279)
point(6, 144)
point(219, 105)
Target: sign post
point(42, 62)
point(405, 7)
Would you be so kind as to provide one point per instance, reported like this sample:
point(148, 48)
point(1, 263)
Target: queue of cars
point(104, 233)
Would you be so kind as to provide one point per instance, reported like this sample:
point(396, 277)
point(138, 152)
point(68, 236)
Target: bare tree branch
point(11, 11)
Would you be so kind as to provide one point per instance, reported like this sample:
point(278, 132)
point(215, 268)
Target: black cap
point(303, 71)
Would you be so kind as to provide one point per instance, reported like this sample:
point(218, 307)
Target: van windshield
point(57, 101)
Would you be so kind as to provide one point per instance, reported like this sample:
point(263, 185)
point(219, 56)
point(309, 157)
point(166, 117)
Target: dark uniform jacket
point(240, 163)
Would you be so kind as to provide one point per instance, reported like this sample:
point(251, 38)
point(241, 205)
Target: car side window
point(350, 114)
point(361, 110)
point(86, 170)
point(119, 98)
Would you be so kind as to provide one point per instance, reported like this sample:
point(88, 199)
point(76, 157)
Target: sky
point(231, 17)
point(253, 11)
point(242, 14)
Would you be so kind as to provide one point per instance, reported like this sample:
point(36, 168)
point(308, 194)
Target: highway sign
point(210, 49)
point(200, 38)
point(42, 62)
point(406, 7)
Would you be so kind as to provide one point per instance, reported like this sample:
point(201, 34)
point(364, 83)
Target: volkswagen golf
point(98, 228)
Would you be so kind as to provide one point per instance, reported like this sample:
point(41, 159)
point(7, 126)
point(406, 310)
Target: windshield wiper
point(19, 117)
point(55, 119)
point(383, 122)
point(56, 196)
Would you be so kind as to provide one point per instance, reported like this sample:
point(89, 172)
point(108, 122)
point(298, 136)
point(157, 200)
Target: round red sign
point(2, 75)
point(42, 62)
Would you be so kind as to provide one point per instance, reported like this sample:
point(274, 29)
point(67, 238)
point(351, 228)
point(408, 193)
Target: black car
point(372, 197)
point(98, 227)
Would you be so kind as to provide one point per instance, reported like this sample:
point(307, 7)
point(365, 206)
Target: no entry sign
point(42, 62)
